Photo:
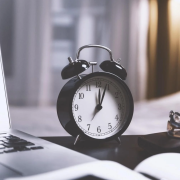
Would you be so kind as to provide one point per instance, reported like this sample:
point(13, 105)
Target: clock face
point(100, 107)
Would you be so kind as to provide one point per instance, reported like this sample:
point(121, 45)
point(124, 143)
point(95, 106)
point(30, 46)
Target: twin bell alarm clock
point(96, 106)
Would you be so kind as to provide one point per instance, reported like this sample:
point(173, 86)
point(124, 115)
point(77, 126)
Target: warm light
point(174, 20)
point(174, 9)
point(174, 36)
point(177, 1)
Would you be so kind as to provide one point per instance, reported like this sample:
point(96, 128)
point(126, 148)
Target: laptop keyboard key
point(7, 146)
point(30, 144)
point(3, 135)
point(37, 147)
point(11, 148)
point(23, 149)
point(9, 151)
point(15, 144)
point(14, 141)
point(2, 138)
point(12, 138)
point(1, 147)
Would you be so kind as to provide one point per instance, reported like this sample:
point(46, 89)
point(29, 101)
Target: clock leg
point(77, 139)
point(79, 76)
point(118, 140)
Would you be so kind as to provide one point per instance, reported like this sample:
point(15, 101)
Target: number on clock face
point(99, 107)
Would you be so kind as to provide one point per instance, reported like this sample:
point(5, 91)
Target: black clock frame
point(64, 106)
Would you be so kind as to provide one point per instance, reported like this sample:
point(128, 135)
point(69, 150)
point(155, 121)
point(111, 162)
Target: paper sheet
point(103, 169)
point(164, 166)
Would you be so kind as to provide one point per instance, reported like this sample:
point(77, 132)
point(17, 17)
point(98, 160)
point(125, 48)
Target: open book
point(159, 167)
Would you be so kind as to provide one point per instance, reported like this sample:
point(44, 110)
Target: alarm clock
point(96, 106)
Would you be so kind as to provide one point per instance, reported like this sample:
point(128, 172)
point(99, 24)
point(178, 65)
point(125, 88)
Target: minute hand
point(103, 94)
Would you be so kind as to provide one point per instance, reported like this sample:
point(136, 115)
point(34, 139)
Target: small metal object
point(79, 76)
point(77, 139)
point(92, 64)
point(119, 61)
point(173, 125)
point(70, 60)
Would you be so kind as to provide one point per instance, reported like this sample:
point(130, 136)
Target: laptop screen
point(4, 114)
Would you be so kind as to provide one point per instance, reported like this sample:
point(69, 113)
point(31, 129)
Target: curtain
point(163, 48)
point(129, 27)
point(30, 80)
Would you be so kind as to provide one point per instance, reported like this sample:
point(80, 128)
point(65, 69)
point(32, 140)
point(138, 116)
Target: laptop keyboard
point(10, 143)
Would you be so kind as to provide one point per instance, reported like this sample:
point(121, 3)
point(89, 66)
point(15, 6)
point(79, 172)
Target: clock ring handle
point(96, 46)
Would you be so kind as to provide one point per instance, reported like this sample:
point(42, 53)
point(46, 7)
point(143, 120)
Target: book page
point(162, 166)
point(101, 169)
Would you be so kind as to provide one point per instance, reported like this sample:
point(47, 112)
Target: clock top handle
point(107, 65)
point(96, 46)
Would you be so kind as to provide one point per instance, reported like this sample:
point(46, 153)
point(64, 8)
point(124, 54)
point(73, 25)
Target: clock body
point(78, 112)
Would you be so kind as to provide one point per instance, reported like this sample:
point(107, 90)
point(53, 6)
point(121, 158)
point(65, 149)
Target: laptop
point(22, 154)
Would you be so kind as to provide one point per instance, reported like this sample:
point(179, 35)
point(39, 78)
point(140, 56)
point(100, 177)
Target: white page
point(164, 166)
point(103, 169)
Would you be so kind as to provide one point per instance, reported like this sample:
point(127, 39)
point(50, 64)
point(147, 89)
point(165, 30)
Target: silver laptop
point(22, 154)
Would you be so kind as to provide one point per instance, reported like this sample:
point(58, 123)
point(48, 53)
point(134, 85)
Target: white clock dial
point(92, 120)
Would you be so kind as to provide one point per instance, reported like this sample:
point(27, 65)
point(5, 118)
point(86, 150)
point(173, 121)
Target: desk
point(127, 154)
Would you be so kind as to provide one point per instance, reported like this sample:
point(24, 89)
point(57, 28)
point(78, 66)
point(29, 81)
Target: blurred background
point(36, 37)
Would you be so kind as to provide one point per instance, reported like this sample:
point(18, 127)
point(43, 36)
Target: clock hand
point(99, 96)
point(98, 106)
point(95, 112)
point(103, 94)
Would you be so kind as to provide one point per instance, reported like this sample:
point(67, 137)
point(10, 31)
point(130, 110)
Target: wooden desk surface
point(127, 154)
